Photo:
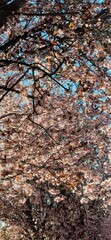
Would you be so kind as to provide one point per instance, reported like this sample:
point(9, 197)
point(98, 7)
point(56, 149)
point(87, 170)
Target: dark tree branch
point(16, 39)
point(43, 128)
point(8, 9)
point(8, 114)
point(8, 62)
point(11, 88)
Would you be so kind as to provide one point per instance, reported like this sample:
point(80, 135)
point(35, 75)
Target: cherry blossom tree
point(55, 118)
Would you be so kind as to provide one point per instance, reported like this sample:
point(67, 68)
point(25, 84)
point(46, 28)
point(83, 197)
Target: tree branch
point(8, 9)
